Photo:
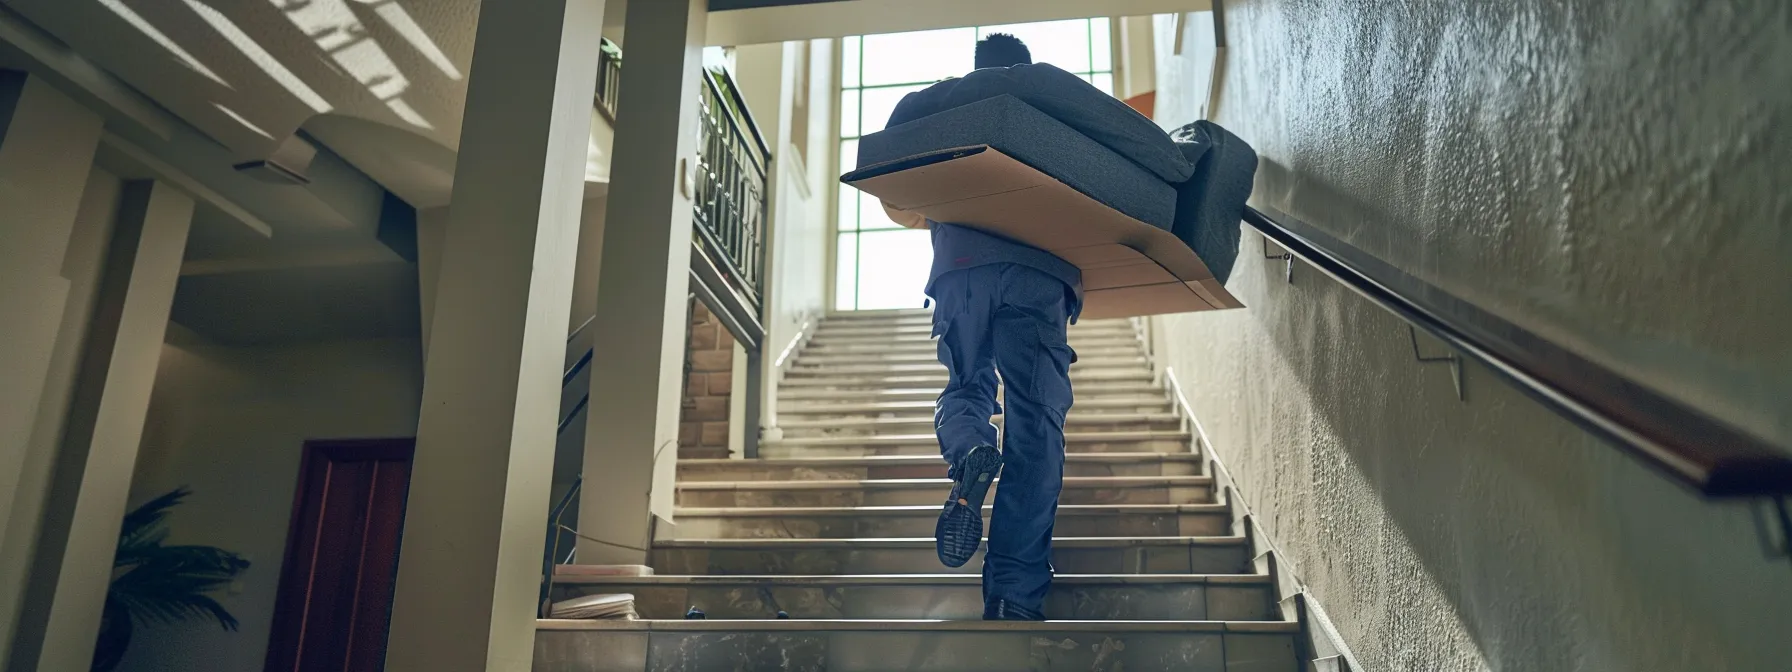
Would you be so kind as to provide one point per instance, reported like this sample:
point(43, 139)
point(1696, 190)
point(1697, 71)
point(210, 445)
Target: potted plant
point(154, 583)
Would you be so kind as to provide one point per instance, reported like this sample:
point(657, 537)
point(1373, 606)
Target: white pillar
point(631, 440)
point(469, 563)
point(47, 142)
point(105, 423)
point(82, 267)
point(432, 229)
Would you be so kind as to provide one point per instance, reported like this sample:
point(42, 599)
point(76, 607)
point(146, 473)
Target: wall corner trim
point(1320, 620)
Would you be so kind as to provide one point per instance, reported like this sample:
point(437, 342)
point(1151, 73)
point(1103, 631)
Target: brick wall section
point(703, 422)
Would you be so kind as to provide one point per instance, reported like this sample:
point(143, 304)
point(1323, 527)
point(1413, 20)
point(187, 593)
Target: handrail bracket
point(1454, 360)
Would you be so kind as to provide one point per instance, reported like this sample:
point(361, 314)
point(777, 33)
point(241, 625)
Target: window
point(878, 264)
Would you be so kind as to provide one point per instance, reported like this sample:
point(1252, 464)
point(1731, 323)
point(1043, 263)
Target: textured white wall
point(230, 423)
point(1603, 172)
point(797, 265)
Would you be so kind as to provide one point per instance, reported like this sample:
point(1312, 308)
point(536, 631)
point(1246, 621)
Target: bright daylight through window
point(880, 265)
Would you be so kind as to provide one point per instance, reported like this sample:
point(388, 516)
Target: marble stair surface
point(832, 525)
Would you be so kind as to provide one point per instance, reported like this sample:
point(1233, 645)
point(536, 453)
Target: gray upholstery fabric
point(1027, 134)
point(1064, 97)
point(1210, 205)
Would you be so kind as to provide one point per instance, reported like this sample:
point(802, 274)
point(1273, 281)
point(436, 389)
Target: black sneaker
point(960, 529)
point(1003, 610)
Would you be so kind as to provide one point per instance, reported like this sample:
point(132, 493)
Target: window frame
point(838, 228)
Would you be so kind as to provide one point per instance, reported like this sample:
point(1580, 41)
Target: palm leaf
point(151, 514)
point(155, 583)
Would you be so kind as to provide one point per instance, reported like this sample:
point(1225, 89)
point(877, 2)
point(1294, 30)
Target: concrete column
point(632, 431)
point(105, 424)
point(83, 268)
point(432, 229)
point(469, 564)
point(47, 143)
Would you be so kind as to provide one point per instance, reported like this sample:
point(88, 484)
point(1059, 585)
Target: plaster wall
point(1605, 173)
point(230, 423)
point(800, 186)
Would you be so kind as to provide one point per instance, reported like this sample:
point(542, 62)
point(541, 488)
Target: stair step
point(1183, 597)
point(1134, 365)
point(884, 314)
point(921, 340)
point(860, 468)
point(925, 444)
point(939, 379)
point(873, 522)
point(925, 422)
point(931, 356)
point(1132, 404)
point(926, 315)
point(933, 491)
point(929, 348)
point(926, 327)
point(929, 391)
point(1071, 555)
point(915, 645)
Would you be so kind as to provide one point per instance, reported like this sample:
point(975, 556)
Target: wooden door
point(335, 595)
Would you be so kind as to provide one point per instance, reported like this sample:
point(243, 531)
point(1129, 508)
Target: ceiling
point(249, 73)
point(379, 84)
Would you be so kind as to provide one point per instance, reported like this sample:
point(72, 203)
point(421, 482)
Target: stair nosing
point(901, 510)
point(908, 439)
point(1122, 482)
point(913, 625)
point(902, 579)
point(928, 543)
point(1084, 419)
point(888, 460)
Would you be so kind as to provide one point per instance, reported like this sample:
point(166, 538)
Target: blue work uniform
point(1003, 307)
point(1002, 310)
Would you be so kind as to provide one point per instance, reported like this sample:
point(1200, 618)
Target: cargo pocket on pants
point(1051, 373)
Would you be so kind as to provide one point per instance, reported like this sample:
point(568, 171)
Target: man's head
point(1000, 50)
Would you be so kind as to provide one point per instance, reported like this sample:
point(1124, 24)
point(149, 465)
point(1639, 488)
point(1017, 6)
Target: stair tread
point(933, 510)
point(925, 409)
point(936, 483)
point(900, 579)
point(1074, 419)
point(900, 461)
point(930, 393)
point(928, 542)
point(922, 376)
point(907, 439)
point(913, 625)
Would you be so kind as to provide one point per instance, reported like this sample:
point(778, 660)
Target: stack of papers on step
point(602, 570)
point(597, 607)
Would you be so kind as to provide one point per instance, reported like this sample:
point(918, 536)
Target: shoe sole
point(960, 530)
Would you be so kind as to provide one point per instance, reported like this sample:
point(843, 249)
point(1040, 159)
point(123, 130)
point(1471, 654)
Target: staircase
point(833, 526)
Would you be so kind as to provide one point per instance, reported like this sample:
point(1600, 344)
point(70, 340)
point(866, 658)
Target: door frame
point(291, 577)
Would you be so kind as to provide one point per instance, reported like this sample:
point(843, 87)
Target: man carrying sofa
point(1004, 307)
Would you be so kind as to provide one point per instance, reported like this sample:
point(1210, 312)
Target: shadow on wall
point(231, 422)
point(1598, 171)
point(1486, 534)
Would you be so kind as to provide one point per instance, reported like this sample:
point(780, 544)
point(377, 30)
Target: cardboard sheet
point(1130, 268)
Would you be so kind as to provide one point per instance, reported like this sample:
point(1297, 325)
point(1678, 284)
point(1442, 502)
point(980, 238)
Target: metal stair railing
point(1686, 445)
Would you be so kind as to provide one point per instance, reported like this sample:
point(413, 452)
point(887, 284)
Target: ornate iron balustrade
point(609, 80)
point(730, 186)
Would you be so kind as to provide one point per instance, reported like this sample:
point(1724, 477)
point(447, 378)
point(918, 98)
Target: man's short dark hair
point(1000, 50)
